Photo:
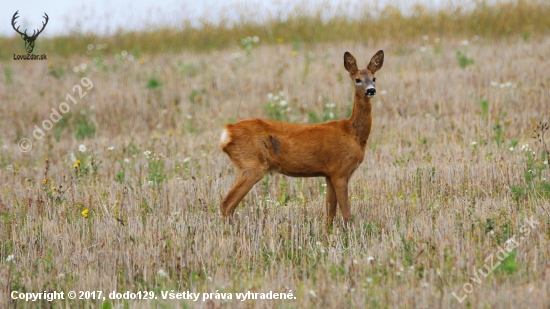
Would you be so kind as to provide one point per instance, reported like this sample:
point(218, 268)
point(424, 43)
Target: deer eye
point(357, 80)
point(374, 80)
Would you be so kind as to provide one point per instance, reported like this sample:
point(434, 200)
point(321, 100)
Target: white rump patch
point(225, 139)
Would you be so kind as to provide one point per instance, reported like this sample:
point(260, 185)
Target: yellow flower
point(280, 40)
point(85, 213)
point(75, 165)
point(155, 136)
point(50, 64)
point(294, 54)
point(142, 60)
point(45, 181)
point(53, 188)
point(170, 132)
point(78, 162)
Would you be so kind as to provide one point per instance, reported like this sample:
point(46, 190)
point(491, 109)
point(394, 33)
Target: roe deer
point(332, 149)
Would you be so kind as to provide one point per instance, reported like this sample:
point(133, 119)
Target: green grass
point(524, 18)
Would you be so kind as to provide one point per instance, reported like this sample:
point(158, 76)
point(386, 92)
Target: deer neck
point(361, 117)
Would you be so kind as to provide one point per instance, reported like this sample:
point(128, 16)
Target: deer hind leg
point(246, 180)
point(341, 189)
point(331, 203)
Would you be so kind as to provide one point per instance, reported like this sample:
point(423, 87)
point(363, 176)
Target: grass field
point(123, 192)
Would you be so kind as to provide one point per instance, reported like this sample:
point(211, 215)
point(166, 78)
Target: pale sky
point(106, 16)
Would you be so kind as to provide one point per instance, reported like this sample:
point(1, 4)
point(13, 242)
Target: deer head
point(29, 40)
point(364, 79)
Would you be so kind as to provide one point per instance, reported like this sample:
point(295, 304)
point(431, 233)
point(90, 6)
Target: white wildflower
point(10, 258)
point(312, 293)
point(111, 148)
point(82, 148)
point(162, 273)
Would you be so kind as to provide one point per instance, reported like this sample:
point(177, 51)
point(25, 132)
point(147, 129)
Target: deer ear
point(349, 63)
point(376, 62)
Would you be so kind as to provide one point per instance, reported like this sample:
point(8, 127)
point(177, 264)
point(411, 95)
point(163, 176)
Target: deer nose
point(371, 91)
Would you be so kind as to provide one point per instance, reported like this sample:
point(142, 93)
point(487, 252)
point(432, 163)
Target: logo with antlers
point(29, 40)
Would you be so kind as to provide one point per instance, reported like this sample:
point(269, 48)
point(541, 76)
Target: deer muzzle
point(370, 92)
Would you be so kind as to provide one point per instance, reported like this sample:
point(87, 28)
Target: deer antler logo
point(29, 40)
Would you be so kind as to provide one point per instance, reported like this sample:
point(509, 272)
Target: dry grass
point(428, 205)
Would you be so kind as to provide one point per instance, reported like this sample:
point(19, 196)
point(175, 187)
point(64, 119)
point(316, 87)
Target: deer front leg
point(246, 180)
point(341, 189)
point(331, 203)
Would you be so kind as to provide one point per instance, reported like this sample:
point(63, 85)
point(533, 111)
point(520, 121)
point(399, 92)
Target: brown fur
point(331, 149)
